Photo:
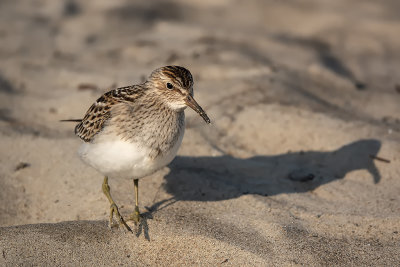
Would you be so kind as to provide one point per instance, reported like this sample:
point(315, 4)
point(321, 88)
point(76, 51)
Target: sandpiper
point(131, 132)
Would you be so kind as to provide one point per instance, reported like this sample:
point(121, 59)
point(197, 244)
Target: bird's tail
point(72, 120)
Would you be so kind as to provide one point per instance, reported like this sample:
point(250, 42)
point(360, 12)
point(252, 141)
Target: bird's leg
point(136, 214)
point(113, 207)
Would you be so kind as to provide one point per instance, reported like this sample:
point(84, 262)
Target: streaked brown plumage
point(100, 112)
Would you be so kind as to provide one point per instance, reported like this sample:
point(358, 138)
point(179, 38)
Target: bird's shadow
point(226, 177)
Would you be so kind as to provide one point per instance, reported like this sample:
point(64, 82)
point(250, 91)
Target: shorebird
point(133, 131)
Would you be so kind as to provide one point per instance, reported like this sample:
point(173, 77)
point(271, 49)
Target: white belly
point(123, 159)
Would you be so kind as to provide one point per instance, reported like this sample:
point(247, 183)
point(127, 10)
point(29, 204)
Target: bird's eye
point(170, 86)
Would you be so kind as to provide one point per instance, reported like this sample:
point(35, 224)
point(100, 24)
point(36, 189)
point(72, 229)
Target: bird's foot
point(135, 216)
point(120, 219)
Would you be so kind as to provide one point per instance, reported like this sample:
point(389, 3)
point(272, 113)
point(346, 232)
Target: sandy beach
point(300, 166)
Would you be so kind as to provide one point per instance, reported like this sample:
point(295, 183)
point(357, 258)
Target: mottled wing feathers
point(100, 112)
point(93, 121)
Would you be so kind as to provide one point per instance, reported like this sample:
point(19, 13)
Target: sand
point(300, 165)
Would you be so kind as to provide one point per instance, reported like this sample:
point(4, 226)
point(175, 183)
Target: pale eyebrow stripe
point(179, 80)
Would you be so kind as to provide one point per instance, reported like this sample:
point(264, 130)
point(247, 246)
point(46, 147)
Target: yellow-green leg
point(136, 214)
point(113, 207)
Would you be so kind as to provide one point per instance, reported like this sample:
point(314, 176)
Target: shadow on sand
point(225, 177)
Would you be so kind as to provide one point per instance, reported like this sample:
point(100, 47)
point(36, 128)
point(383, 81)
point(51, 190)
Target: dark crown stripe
point(177, 71)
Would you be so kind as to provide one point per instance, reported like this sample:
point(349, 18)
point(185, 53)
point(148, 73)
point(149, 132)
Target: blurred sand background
point(302, 95)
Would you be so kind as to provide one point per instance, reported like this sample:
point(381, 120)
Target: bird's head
point(174, 84)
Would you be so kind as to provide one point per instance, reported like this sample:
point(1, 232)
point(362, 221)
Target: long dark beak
point(196, 107)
